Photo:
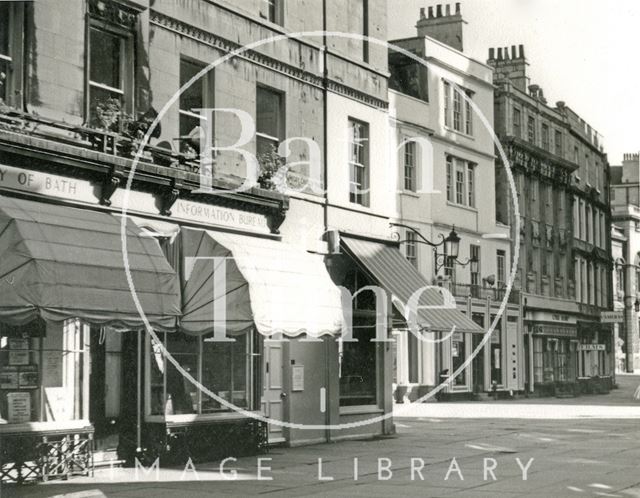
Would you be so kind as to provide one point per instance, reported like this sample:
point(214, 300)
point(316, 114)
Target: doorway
point(273, 394)
point(477, 364)
point(105, 390)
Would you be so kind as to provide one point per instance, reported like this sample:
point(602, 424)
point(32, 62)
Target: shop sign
point(221, 216)
point(18, 407)
point(611, 317)
point(592, 347)
point(47, 184)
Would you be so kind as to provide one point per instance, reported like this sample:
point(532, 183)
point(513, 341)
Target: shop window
point(413, 347)
point(198, 95)
point(359, 162)
point(458, 357)
point(496, 352)
point(270, 121)
point(110, 72)
point(358, 361)
point(538, 359)
point(43, 372)
point(224, 368)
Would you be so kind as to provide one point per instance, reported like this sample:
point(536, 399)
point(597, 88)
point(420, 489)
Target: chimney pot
point(447, 10)
point(506, 53)
point(514, 52)
point(438, 10)
point(430, 12)
point(499, 53)
point(522, 51)
point(458, 8)
point(491, 54)
point(422, 16)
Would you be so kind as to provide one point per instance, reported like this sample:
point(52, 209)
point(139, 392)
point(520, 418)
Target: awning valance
point(278, 287)
point(59, 262)
point(396, 275)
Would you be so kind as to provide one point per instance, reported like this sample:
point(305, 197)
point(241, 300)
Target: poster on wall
point(28, 377)
point(18, 407)
point(57, 404)
point(52, 368)
point(297, 381)
point(9, 378)
point(18, 351)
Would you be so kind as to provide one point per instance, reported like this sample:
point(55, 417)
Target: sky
point(583, 52)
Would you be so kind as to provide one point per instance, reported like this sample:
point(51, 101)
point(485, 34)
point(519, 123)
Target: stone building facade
point(561, 176)
point(83, 82)
point(445, 176)
point(625, 210)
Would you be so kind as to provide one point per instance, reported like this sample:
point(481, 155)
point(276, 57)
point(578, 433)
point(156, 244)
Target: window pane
point(269, 113)
point(409, 166)
point(182, 395)
point(358, 162)
point(104, 62)
point(225, 372)
point(4, 28)
point(458, 357)
point(193, 96)
point(358, 377)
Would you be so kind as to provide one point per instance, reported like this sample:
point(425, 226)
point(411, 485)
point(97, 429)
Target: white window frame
point(359, 191)
point(126, 90)
point(461, 181)
point(410, 170)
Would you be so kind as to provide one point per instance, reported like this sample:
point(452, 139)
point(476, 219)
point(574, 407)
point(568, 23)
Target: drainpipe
point(325, 177)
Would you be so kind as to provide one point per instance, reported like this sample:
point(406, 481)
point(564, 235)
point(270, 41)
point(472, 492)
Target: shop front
point(596, 363)
point(436, 325)
point(67, 321)
point(554, 351)
point(251, 303)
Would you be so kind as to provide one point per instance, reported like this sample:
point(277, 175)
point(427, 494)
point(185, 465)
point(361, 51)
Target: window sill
point(410, 193)
point(195, 418)
point(71, 425)
point(462, 206)
point(360, 410)
point(461, 133)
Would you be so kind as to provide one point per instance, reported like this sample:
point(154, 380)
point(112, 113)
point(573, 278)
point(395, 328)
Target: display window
point(458, 357)
point(225, 368)
point(43, 372)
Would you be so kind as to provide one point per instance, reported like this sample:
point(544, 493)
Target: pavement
point(537, 447)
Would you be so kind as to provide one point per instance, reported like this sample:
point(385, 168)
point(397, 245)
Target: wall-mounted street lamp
point(451, 245)
point(636, 305)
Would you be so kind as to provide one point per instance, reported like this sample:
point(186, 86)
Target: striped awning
point(59, 262)
point(436, 310)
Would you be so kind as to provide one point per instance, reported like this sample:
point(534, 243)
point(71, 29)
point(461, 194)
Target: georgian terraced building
point(83, 374)
point(437, 108)
point(561, 175)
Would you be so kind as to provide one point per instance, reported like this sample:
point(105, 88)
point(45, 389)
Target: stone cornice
point(258, 58)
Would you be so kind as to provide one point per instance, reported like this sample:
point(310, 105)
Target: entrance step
point(107, 459)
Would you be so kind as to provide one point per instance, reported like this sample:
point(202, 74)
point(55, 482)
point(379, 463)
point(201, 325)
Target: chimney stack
point(513, 69)
point(446, 28)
